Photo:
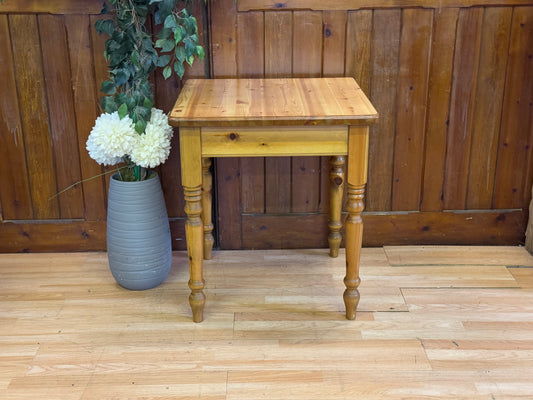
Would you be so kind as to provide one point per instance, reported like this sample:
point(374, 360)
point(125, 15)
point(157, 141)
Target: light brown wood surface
point(248, 102)
point(437, 323)
point(274, 141)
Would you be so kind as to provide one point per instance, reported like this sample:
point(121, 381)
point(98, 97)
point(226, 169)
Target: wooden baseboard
point(67, 236)
point(294, 231)
point(446, 228)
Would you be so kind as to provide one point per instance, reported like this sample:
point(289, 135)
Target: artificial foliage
point(133, 52)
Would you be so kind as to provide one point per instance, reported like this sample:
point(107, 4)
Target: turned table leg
point(336, 190)
point(191, 172)
point(357, 175)
point(207, 195)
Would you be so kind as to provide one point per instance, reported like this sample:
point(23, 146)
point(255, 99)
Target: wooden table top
point(260, 102)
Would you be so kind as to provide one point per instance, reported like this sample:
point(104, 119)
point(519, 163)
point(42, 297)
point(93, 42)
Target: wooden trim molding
point(499, 227)
point(260, 231)
point(67, 236)
point(51, 7)
point(331, 5)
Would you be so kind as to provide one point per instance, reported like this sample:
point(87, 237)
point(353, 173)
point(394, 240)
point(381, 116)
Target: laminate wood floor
point(433, 323)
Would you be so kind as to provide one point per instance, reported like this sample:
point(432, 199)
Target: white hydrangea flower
point(159, 120)
point(153, 147)
point(111, 138)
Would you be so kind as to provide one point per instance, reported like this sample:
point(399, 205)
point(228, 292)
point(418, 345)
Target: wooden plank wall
point(451, 160)
point(52, 64)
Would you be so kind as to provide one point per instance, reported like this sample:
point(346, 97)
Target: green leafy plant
point(133, 53)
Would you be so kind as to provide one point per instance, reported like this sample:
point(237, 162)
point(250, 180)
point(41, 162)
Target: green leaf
point(105, 9)
point(190, 60)
point(122, 111)
point(104, 26)
point(165, 44)
point(179, 69)
point(190, 47)
point(146, 89)
point(167, 71)
point(190, 25)
point(108, 87)
point(180, 54)
point(168, 45)
point(163, 60)
point(144, 112)
point(200, 52)
point(108, 104)
point(159, 43)
point(177, 36)
point(170, 22)
point(164, 33)
point(121, 76)
point(148, 103)
point(140, 125)
point(135, 58)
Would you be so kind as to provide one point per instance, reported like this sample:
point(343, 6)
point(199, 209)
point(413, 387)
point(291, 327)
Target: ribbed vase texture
point(139, 247)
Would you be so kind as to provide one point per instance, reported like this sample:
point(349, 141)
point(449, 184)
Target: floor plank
point(433, 323)
point(459, 255)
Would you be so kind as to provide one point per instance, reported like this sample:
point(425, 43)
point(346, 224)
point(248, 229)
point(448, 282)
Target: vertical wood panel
point(223, 44)
point(514, 167)
point(488, 107)
point(62, 115)
point(250, 58)
point(383, 94)
point(35, 123)
point(250, 45)
point(85, 105)
point(100, 74)
point(230, 208)
point(14, 184)
point(307, 44)
point(228, 178)
point(334, 23)
point(334, 43)
point(278, 44)
point(358, 39)
point(440, 78)
point(307, 62)
point(412, 97)
point(278, 63)
point(462, 107)
point(253, 184)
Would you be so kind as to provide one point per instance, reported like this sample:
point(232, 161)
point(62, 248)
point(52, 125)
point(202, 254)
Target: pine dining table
point(273, 118)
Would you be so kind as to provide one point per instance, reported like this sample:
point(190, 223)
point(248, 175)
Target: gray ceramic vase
point(139, 247)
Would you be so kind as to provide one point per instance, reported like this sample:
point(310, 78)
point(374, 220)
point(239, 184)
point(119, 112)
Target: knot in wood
point(233, 136)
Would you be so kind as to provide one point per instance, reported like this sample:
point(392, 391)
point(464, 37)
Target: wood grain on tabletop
point(280, 101)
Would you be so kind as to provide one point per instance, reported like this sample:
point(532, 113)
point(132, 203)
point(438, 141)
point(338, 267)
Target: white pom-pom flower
point(111, 138)
point(153, 147)
point(159, 120)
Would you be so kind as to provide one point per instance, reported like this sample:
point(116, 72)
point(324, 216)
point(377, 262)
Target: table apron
point(268, 141)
